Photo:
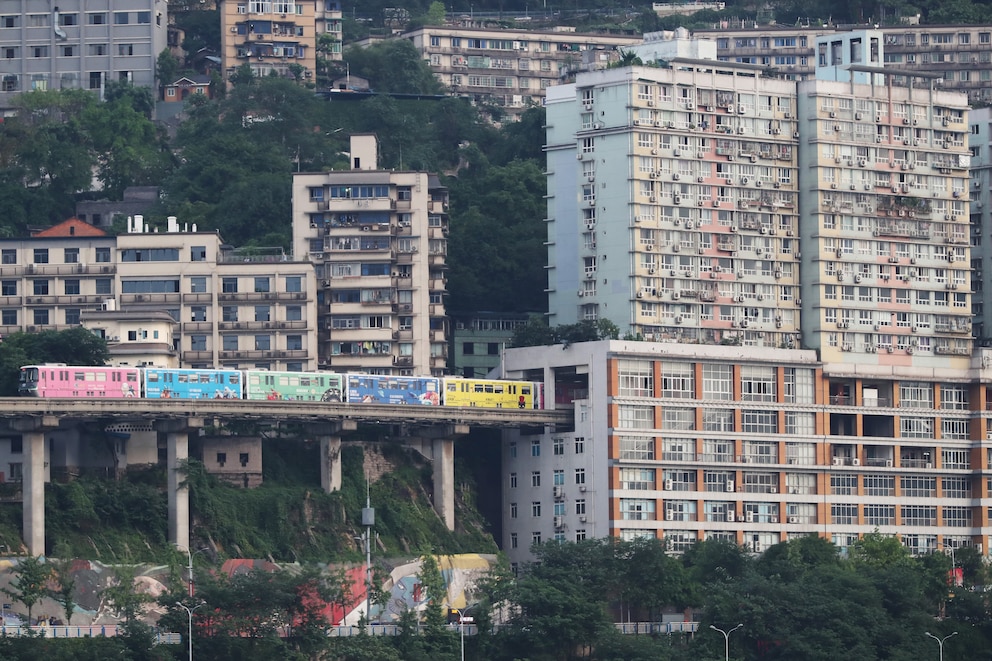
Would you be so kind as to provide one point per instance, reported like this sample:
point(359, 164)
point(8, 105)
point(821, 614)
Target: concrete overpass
point(434, 428)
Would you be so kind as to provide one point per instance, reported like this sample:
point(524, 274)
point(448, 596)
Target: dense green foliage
point(287, 519)
point(799, 600)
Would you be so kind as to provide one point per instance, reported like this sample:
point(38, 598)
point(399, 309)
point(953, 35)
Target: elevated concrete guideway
point(176, 418)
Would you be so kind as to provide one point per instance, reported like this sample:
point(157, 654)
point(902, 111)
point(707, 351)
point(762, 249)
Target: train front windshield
point(29, 380)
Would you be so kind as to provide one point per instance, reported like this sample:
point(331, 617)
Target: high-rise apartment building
point(673, 203)
point(79, 45)
point(884, 201)
point(701, 203)
point(980, 145)
point(378, 241)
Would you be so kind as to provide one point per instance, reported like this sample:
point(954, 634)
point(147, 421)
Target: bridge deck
point(163, 409)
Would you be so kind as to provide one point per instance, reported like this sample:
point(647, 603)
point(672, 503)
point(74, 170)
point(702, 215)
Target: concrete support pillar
point(329, 436)
point(330, 463)
point(444, 480)
point(33, 488)
point(178, 453)
point(32, 432)
point(442, 443)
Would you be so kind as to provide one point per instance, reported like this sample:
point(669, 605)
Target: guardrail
point(170, 638)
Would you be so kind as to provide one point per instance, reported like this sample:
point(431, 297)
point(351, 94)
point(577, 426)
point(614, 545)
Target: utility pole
point(368, 520)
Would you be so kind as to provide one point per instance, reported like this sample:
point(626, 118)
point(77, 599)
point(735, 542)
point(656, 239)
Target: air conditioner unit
point(668, 485)
point(793, 519)
point(582, 488)
point(559, 491)
point(838, 461)
point(731, 516)
point(730, 483)
point(559, 522)
point(855, 461)
point(749, 517)
point(583, 518)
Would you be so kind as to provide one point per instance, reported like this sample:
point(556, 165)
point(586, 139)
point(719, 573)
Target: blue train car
point(379, 389)
point(192, 384)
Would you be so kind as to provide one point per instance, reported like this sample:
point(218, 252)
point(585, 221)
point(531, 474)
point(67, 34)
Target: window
point(71, 287)
point(229, 285)
point(636, 448)
point(678, 380)
point(916, 395)
point(718, 382)
point(757, 383)
point(580, 445)
point(535, 448)
point(580, 506)
point(8, 317)
point(636, 509)
point(918, 515)
point(535, 478)
point(844, 484)
point(637, 479)
point(880, 515)
point(957, 517)
point(880, 485)
point(262, 284)
point(294, 342)
point(513, 480)
point(229, 342)
point(263, 342)
point(198, 342)
point(954, 397)
point(535, 508)
point(580, 475)
point(41, 255)
point(636, 378)
point(915, 486)
point(103, 255)
point(40, 287)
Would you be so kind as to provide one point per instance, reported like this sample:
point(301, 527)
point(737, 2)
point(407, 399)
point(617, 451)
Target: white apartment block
point(686, 442)
point(511, 69)
point(959, 55)
point(378, 241)
point(233, 308)
point(78, 45)
point(673, 203)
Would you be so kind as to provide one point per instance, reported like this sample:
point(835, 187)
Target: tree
point(30, 582)
point(166, 67)
point(65, 584)
point(393, 66)
point(122, 597)
point(432, 584)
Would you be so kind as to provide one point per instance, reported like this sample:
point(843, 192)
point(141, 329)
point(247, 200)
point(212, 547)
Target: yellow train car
point(490, 393)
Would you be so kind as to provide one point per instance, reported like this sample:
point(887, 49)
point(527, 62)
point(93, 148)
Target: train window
point(100, 376)
point(479, 388)
point(452, 387)
point(235, 379)
point(489, 387)
point(151, 376)
point(80, 376)
point(498, 388)
point(524, 390)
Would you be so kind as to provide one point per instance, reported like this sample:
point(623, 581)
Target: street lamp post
point(940, 641)
point(189, 631)
point(189, 567)
point(726, 639)
point(461, 629)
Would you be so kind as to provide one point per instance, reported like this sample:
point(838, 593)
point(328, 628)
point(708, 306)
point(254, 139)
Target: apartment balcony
point(197, 356)
point(146, 299)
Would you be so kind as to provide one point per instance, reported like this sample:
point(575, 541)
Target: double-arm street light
point(726, 639)
point(189, 631)
point(940, 641)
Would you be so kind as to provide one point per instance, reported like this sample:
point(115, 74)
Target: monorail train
point(68, 381)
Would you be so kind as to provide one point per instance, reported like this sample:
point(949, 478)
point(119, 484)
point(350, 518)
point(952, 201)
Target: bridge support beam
point(177, 453)
point(329, 436)
point(442, 443)
point(33, 479)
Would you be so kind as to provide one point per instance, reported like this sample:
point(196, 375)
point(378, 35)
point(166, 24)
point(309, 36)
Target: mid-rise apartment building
point(79, 45)
point(278, 38)
point(685, 442)
point(959, 55)
point(229, 311)
point(511, 69)
point(378, 242)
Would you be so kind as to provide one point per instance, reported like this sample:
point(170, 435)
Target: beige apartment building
point(273, 36)
point(511, 69)
point(959, 55)
point(378, 242)
point(229, 312)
